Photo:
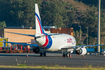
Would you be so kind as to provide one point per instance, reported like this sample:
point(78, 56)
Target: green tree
point(2, 24)
point(54, 13)
point(18, 12)
point(57, 13)
point(78, 41)
point(77, 33)
point(90, 20)
point(90, 40)
point(74, 33)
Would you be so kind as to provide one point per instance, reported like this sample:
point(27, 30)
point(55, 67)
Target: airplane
point(53, 41)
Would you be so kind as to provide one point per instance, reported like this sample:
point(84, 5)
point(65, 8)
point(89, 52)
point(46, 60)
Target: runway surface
point(51, 59)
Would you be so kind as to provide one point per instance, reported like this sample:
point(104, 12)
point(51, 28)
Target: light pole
point(80, 34)
point(98, 40)
point(87, 35)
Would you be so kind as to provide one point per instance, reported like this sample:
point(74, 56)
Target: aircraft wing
point(31, 45)
point(81, 46)
point(89, 45)
point(21, 34)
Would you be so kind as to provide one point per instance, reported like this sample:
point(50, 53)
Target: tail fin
point(39, 29)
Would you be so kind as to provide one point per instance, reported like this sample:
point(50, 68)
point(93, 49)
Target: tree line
point(93, 2)
point(53, 13)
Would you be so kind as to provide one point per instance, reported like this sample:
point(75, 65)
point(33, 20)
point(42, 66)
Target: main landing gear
point(66, 54)
point(43, 54)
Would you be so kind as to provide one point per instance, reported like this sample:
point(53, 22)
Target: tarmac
point(51, 59)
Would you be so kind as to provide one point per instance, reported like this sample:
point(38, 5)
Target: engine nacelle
point(36, 49)
point(81, 51)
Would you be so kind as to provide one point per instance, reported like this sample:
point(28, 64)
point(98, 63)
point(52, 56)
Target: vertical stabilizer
point(39, 29)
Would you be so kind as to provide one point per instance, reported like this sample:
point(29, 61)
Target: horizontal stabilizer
point(22, 34)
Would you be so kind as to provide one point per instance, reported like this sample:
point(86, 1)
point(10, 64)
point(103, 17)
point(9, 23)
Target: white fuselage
point(56, 42)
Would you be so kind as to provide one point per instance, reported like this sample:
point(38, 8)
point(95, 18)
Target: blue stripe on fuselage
point(50, 41)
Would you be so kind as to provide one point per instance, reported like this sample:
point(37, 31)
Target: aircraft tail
point(39, 29)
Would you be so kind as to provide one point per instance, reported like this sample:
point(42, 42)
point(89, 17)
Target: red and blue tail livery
point(39, 29)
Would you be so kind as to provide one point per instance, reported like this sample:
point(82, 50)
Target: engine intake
point(81, 51)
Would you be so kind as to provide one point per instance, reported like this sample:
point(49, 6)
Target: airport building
point(5, 33)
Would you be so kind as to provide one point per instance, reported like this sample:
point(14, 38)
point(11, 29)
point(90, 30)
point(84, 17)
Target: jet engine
point(36, 49)
point(81, 51)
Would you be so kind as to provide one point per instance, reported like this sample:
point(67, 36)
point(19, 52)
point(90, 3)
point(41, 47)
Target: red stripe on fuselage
point(46, 43)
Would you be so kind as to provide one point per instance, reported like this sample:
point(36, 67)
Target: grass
point(22, 65)
point(52, 67)
point(90, 67)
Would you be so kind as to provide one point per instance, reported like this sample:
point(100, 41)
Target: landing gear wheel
point(64, 55)
point(43, 54)
point(68, 55)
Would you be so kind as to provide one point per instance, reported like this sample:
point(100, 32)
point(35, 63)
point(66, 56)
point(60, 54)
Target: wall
point(63, 30)
point(1, 32)
point(19, 38)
